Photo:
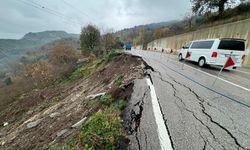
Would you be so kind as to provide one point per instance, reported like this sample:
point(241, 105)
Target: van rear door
point(228, 46)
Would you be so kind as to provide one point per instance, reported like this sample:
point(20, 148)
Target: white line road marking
point(219, 78)
point(242, 71)
point(161, 128)
point(234, 84)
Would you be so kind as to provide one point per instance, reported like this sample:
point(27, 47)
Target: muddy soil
point(44, 117)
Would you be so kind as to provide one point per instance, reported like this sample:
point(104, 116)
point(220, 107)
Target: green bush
point(102, 130)
point(118, 81)
point(120, 105)
point(106, 99)
point(77, 74)
point(110, 55)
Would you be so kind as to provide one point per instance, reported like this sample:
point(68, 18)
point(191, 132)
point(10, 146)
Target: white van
point(214, 51)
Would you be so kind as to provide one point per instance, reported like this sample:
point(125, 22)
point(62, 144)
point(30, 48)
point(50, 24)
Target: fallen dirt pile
point(53, 115)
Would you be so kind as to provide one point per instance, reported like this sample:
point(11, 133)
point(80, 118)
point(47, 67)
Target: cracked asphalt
point(139, 122)
point(197, 115)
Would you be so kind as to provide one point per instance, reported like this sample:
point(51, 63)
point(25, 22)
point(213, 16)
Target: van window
point(187, 46)
point(202, 45)
point(232, 45)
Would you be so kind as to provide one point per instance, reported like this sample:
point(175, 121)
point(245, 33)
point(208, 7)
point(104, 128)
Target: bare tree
point(63, 54)
point(157, 33)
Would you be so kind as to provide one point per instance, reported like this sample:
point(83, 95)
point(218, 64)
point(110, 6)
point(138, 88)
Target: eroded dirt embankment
point(53, 115)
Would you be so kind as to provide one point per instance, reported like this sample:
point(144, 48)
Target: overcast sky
point(19, 17)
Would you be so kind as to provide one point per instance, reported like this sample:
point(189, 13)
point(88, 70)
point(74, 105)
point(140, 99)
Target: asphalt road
point(196, 114)
point(240, 76)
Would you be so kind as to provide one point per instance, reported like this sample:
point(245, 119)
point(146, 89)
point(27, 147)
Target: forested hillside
point(141, 35)
point(31, 47)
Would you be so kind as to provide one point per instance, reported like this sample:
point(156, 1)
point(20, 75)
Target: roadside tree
point(89, 38)
point(203, 6)
point(108, 41)
point(157, 34)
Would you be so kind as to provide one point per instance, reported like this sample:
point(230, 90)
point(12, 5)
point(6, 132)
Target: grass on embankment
point(102, 130)
point(91, 67)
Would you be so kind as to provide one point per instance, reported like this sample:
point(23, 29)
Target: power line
point(6, 57)
point(2, 51)
point(35, 6)
point(75, 8)
point(51, 10)
point(42, 8)
point(79, 11)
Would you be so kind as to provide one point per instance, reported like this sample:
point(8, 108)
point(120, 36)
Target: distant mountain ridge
point(151, 26)
point(157, 25)
point(48, 35)
point(13, 49)
point(33, 39)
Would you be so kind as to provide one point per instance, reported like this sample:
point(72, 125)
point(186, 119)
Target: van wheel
point(202, 62)
point(180, 57)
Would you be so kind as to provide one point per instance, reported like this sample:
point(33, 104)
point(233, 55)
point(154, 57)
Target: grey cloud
point(18, 18)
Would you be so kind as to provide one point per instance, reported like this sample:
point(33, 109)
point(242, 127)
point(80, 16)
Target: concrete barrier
point(239, 29)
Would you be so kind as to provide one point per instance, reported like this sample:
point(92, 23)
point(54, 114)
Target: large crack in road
point(134, 121)
point(203, 110)
point(185, 107)
point(201, 102)
point(193, 119)
point(136, 117)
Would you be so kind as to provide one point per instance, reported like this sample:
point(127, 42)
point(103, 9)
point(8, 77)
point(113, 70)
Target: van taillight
point(214, 54)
